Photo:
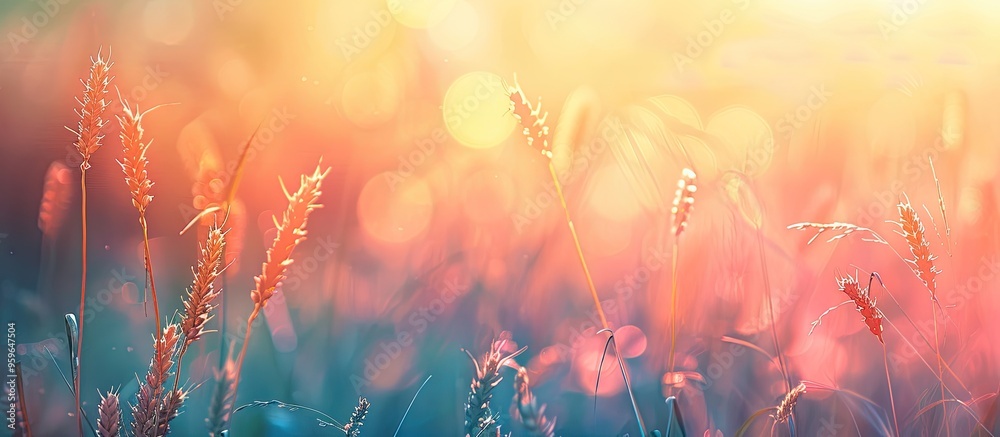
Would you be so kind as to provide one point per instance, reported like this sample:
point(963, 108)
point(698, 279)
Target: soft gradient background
point(832, 108)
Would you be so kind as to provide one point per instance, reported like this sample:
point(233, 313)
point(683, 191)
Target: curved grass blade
point(675, 422)
point(72, 333)
point(69, 386)
point(991, 419)
point(746, 425)
point(326, 419)
point(628, 384)
point(400, 426)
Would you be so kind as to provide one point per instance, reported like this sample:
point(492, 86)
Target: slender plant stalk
point(937, 351)
point(592, 288)
point(888, 379)
point(673, 307)
point(681, 210)
point(24, 422)
point(537, 134)
point(912, 230)
point(89, 136)
point(83, 296)
point(291, 232)
point(770, 310)
point(149, 271)
point(579, 249)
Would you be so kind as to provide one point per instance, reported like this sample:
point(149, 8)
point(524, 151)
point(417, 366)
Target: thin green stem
point(888, 379)
point(937, 351)
point(673, 307)
point(149, 273)
point(770, 311)
point(83, 293)
point(590, 285)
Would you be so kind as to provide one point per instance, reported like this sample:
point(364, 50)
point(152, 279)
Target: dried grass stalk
point(88, 139)
point(109, 419)
point(531, 119)
point(134, 164)
point(526, 409)
point(291, 232)
point(865, 303)
point(92, 107)
point(353, 426)
point(145, 412)
point(912, 229)
point(479, 418)
point(223, 398)
point(683, 200)
point(842, 230)
point(169, 410)
point(134, 160)
point(201, 296)
point(787, 404)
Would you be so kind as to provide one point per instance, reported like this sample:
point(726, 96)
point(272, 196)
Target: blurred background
point(440, 224)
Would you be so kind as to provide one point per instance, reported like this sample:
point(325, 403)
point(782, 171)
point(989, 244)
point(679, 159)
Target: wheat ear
point(223, 397)
point(146, 411)
point(526, 408)
point(683, 204)
point(865, 303)
point(133, 164)
point(353, 426)
point(88, 140)
point(912, 230)
point(784, 410)
point(535, 131)
point(109, 419)
point(201, 296)
point(169, 409)
point(291, 232)
point(479, 419)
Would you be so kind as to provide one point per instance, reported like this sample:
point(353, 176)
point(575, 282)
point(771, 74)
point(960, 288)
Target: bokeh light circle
point(458, 29)
point(394, 210)
point(420, 14)
point(476, 110)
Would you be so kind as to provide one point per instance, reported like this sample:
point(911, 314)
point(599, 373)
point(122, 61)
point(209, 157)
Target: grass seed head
point(92, 107)
point(683, 200)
